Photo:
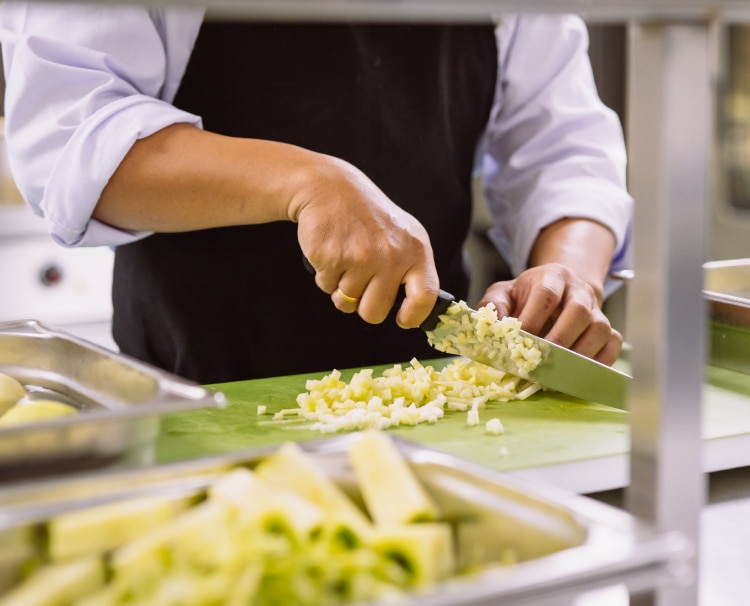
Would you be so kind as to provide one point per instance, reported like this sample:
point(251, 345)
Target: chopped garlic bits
point(404, 396)
point(479, 335)
point(420, 394)
point(494, 426)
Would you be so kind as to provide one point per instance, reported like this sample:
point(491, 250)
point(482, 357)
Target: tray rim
point(175, 393)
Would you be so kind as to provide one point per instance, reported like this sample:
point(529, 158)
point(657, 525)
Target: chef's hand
point(184, 178)
point(363, 247)
point(550, 301)
point(560, 296)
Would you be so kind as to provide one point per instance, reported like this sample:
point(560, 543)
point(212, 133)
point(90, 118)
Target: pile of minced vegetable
point(420, 394)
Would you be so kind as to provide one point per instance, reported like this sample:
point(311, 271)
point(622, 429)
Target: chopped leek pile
point(420, 394)
point(480, 335)
point(404, 396)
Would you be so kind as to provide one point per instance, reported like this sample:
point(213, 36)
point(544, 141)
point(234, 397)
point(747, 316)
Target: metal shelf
point(669, 114)
point(466, 10)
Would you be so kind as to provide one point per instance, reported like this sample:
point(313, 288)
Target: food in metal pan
point(383, 473)
point(11, 390)
point(282, 532)
point(32, 411)
point(59, 584)
point(94, 531)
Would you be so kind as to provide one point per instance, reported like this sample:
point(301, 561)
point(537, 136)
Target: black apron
point(404, 103)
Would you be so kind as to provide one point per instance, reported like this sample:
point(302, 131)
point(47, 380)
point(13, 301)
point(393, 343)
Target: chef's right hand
point(362, 245)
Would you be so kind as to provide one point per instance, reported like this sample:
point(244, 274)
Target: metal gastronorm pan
point(726, 284)
point(120, 400)
point(564, 543)
point(726, 288)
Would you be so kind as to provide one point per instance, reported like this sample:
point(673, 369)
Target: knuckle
point(549, 297)
point(424, 298)
point(371, 316)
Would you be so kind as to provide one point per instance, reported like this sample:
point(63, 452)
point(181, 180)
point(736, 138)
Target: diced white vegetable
point(11, 390)
point(495, 426)
point(463, 331)
point(403, 396)
point(382, 472)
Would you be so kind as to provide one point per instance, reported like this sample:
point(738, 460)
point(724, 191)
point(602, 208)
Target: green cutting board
point(547, 429)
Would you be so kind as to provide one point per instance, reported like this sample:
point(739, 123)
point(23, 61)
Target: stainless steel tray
point(120, 400)
point(727, 292)
point(727, 285)
point(565, 543)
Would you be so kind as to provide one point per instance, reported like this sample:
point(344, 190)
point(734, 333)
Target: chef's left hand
point(554, 303)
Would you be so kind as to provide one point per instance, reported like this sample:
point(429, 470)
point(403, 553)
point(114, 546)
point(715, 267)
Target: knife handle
point(441, 305)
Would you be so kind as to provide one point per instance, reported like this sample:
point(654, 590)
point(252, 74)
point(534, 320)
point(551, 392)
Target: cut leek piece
point(425, 552)
point(17, 551)
point(196, 541)
point(245, 588)
point(143, 560)
point(35, 411)
point(96, 530)
point(11, 390)
point(390, 489)
point(259, 506)
point(58, 584)
point(201, 537)
point(291, 469)
point(108, 596)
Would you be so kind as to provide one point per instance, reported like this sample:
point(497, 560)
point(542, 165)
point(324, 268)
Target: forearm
point(585, 247)
point(183, 178)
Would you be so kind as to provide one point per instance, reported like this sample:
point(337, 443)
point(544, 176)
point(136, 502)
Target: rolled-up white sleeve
point(83, 83)
point(552, 149)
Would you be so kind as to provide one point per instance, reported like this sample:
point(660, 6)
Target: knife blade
point(556, 368)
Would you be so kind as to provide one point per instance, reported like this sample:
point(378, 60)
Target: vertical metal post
point(669, 105)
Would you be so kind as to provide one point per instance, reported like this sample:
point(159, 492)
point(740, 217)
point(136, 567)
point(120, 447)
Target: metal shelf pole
point(669, 146)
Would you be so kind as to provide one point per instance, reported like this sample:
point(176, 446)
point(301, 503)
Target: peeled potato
point(36, 410)
point(11, 391)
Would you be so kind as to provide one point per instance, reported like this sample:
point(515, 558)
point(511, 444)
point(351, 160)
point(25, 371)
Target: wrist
point(583, 246)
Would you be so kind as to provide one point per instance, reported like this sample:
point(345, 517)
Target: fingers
point(552, 302)
point(363, 247)
point(380, 295)
point(344, 302)
point(421, 287)
point(500, 295)
point(589, 333)
point(546, 300)
point(609, 353)
point(373, 295)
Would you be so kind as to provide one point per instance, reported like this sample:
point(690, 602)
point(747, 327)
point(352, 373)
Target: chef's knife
point(560, 369)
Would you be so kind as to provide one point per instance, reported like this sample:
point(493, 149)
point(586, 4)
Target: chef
point(214, 155)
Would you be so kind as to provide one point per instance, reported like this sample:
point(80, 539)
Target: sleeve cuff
point(88, 161)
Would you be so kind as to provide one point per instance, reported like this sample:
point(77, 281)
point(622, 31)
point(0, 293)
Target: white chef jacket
point(85, 81)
